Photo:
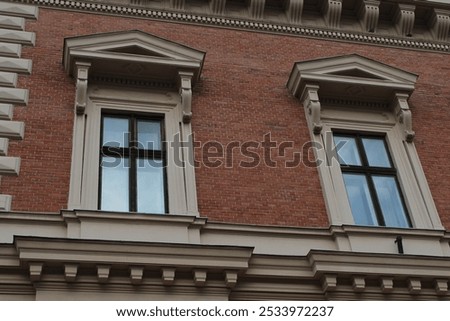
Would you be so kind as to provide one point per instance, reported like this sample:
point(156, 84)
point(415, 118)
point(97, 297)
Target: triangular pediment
point(342, 75)
point(120, 54)
point(356, 73)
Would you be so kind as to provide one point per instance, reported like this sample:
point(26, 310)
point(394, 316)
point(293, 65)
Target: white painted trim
point(84, 192)
point(13, 96)
point(330, 77)
point(19, 10)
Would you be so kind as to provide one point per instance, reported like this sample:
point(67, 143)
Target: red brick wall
point(241, 97)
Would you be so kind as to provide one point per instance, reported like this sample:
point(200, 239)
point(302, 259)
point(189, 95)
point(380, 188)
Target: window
point(133, 92)
point(370, 181)
point(358, 109)
point(132, 164)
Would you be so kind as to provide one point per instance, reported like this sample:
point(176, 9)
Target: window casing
point(353, 94)
point(132, 164)
point(370, 181)
point(156, 79)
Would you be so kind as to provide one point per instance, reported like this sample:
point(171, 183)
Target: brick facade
point(241, 97)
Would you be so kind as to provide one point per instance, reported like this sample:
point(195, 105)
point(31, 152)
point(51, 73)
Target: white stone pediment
point(351, 76)
point(132, 54)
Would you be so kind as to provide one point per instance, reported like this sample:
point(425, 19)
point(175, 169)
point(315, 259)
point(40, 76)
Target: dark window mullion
point(368, 170)
point(375, 200)
point(133, 169)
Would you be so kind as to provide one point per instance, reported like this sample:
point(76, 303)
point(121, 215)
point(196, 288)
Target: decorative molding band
point(10, 49)
point(15, 23)
point(358, 103)
point(340, 35)
point(131, 82)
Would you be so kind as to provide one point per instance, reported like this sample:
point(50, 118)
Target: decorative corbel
point(70, 272)
point(231, 279)
point(294, 10)
point(36, 271)
point(168, 275)
point(404, 19)
point(404, 115)
point(186, 95)
point(331, 11)
point(368, 14)
point(82, 69)
point(256, 8)
point(310, 100)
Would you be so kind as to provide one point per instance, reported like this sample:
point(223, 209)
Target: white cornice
point(426, 41)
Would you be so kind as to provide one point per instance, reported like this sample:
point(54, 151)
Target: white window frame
point(157, 63)
point(361, 95)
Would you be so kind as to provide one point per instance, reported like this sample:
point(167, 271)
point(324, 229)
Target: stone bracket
point(294, 10)
point(310, 100)
point(217, 6)
point(136, 274)
point(231, 278)
point(331, 11)
point(186, 95)
point(404, 19)
point(35, 271)
point(82, 72)
point(103, 273)
point(256, 8)
point(200, 277)
point(168, 275)
point(368, 14)
point(70, 272)
point(439, 23)
point(177, 4)
point(404, 115)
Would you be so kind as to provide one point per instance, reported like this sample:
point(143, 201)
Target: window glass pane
point(347, 150)
point(115, 131)
point(114, 191)
point(360, 200)
point(391, 204)
point(376, 152)
point(149, 134)
point(150, 186)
